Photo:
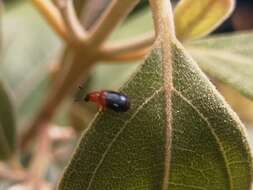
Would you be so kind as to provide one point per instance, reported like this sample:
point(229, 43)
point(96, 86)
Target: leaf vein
point(212, 131)
point(118, 134)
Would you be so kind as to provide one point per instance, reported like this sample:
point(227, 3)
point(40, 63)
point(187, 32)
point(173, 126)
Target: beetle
point(115, 101)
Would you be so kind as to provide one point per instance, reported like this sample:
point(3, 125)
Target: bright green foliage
point(126, 151)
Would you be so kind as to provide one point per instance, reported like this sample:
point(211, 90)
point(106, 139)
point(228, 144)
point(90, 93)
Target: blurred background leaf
point(228, 59)
point(29, 46)
point(195, 19)
point(7, 123)
point(242, 105)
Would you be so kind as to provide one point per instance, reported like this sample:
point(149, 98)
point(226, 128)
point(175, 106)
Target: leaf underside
point(227, 58)
point(126, 151)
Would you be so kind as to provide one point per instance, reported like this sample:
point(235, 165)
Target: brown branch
point(129, 46)
point(74, 71)
point(75, 29)
point(129, 57)
point(12, 170)
point(160, 21)
point(71, 75)
point(92, 11)
point(12, 174)
point(165, 32)
point(132, 50)
point(53, 17)
point(39, 164)
point(32, 179)
point(115, 13)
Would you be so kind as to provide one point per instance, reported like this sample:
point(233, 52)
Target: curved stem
point(163, 16)
point(53, 16)
point(129, 57)
point(129, 46)
point(71, 76)
point(92, 11)
point(83, 58)
point(116, 12)
point(39, 164)
point(12, 175)
point(165, 32)
point(67, 10)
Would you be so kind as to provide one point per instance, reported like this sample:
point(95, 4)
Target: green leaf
point(7, 124)
point(227, 58)
point(126, 151)
point(194, 18)
point(112, 76)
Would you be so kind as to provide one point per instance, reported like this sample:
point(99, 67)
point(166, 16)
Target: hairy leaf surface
point(126, 151)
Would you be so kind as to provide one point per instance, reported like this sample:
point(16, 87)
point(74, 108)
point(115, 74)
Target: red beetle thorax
point(98, 98)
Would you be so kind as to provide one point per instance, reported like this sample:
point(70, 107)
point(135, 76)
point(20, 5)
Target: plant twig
point(165, 33)
point(53, 16)
point(74, 71)
point(39, 163)
point(129, 57)
point(75, 29)
point(116, 12)
point(71, 76)
point(163, 16)
point(126, 49)
point(14, 163)
point(92, 11)
point(13, 170)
